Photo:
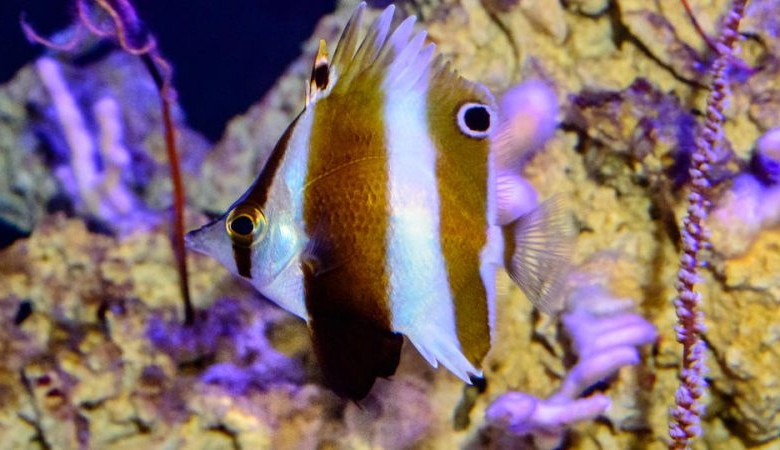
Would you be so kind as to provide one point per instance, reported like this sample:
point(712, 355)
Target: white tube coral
point(116, 158)
point(82, 147)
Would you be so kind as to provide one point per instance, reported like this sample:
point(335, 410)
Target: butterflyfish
point(382, 212)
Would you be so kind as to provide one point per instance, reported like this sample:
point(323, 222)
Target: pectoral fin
point(536, 254)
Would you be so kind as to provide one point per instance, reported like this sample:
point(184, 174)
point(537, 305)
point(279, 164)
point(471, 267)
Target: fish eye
point(474, 120)
point(242, 225)
point(245, 225)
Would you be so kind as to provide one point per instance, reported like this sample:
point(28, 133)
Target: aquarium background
point(93, 349)
point(226, 54)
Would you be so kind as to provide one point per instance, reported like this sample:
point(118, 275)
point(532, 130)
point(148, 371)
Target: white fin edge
point(429, 341)
point(398, 57)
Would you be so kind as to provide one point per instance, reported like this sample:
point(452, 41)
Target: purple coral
point(524, 414)
point(97, 163)
point(605, 334)
point(687, 412)
point(766, 159)
point(234, 336)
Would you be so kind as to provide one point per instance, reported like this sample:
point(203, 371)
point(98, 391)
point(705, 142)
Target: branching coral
point(76, 134)
point(688, 409)
point(605, 334)
point(113, 151)
point(603, 330)
point(98, 187)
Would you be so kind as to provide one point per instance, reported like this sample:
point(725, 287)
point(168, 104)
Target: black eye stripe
point(245, 224)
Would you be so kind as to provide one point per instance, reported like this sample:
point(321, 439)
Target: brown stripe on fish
point(462, 176)
point(262, 185)
point(346, 216)
point(255, 198)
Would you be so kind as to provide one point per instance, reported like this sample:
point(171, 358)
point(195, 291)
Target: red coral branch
point(687, 412)
point(69, 45)
point(127, 27)
point(698, 27)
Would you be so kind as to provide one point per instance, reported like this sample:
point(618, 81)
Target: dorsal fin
point(348, 43)
point(394, 59)
point(397, 60)
point(352, 63)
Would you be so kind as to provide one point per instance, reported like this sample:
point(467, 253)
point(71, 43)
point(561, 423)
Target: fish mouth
point(197, 239)
point(192, 240)
point(189, 238)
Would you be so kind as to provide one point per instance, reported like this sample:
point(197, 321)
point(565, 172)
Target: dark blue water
point(226, 54)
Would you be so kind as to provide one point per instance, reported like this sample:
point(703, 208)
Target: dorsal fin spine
point(345, 50)
point(395, 43)
point(368, 50)
point(397, 60)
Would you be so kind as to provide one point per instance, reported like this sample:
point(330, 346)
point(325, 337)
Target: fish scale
point(376, 215)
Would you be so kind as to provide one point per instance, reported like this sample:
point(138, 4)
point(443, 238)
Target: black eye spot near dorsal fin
point(320, 72)
point(475, 120)
point(320, 76)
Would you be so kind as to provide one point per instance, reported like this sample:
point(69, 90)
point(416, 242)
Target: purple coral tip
point(765, 163)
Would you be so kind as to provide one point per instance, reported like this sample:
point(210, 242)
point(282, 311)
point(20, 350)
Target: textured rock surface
point(109, 111)
point(96, 370)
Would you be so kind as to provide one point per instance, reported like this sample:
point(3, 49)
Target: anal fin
point(352, 352)
point(536, 254)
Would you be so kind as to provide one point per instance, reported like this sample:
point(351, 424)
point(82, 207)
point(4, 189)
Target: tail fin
point(537, 247)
